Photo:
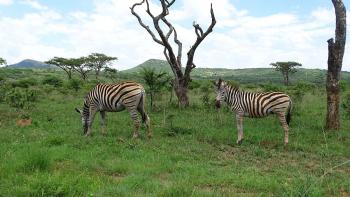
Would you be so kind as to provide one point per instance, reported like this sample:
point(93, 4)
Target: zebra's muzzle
point(217, 103)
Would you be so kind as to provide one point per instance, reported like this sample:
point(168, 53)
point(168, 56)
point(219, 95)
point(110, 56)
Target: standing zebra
point(114, 98)
point(254, 105)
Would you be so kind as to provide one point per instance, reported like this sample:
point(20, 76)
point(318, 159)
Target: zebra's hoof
point(149, 136)
point(239, 142)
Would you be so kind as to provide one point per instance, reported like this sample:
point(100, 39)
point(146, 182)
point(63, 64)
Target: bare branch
point(200, 37)
point(179, 50)
point(170, 4)
point(142, 24)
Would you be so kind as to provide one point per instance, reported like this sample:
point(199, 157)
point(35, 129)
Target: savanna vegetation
point(193, 151)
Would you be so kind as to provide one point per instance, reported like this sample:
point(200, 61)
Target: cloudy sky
point(249, 33)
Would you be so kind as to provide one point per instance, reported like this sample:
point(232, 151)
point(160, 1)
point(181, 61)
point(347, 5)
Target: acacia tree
point(99, 61)
point(2, 61)
point(335, 60)
point(63, 63)
point(286, 68)
point(80, 65)
point(181, 78)
point(111, 73)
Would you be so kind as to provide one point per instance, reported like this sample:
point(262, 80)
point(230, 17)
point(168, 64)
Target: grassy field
point(193, 152)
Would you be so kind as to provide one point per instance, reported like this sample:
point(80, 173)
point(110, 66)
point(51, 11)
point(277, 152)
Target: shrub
point(74, 84)
point(346, 104)
point(270, 87)
point(24, 83)
point(343, 85)
point(304, 86)
point(21, 98)
point(4, 88)
point(52, 80)
point(194, 85)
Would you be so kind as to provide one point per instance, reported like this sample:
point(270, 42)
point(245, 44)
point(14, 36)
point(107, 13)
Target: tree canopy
point(286, 68)
point(2, 61)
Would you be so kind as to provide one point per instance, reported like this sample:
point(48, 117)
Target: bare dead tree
point(335, 60)
point(182, 78)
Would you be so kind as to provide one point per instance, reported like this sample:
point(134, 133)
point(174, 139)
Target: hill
point(246, 75)
point(28, 63)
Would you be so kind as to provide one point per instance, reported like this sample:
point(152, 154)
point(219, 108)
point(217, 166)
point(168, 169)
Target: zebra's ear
point(78, 110)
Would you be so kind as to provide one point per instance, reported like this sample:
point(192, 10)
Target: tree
point(286, 68)
point(3, 61)
point(99, 61)
point(155, 81)
point(335, 60)
point(80, 65)
point(111, 73)
point(63, 63)
point(181, 78)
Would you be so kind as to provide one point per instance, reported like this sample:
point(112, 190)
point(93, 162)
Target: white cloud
point(239, 39)
point(6, 2)
point(34, 4)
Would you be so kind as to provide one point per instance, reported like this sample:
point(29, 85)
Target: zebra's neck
point(231, 94)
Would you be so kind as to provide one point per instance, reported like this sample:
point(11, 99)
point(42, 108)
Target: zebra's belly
point(250, 115)
point(116, 108)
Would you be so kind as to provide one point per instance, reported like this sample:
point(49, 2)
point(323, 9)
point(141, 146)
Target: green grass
point(193, 153)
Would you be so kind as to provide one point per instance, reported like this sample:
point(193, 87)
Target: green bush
point(271, 87)
point(21, 98)
point(343, 85)
point(52, 80)
point(4, 88)
point(194, 85)
point(74, 84)
point(304, 86)
point(346, 104)
point(24, 83)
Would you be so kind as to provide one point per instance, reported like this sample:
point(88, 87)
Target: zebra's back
point(262, 104)
point(113, 97)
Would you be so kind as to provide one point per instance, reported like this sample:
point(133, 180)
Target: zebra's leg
point(284, 125)
point(239, 119)
point(135, 118)
point(91, 120)
point(145, 120)
point(103, 122)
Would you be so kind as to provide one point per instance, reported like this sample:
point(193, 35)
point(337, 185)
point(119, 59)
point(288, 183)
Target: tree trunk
point(69, 73)
point(335, 61)
point(285, 79)
point(181, 90)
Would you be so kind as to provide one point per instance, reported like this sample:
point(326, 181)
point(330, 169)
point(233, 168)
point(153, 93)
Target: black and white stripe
point(254, 105)
point(114, 98)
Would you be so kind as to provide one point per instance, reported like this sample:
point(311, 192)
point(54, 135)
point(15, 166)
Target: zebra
point(254, 105)
point(115, 98)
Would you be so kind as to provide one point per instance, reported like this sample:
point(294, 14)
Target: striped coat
point(254, 105)
point(114, 98)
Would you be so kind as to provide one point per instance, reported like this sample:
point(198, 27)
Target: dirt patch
point(344, 194)
point(23, 122)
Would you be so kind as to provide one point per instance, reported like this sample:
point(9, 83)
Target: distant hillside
point(28, 63)
point(247, 75)
point(151, 63)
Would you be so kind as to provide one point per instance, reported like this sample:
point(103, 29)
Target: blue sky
point(249, 33)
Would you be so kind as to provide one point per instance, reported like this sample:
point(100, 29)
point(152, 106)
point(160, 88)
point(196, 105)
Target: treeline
point(95, 62)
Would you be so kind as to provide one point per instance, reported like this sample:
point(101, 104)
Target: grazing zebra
point(254, 105)
point(114, 98)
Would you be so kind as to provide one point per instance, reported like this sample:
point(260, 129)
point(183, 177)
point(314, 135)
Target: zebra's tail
point(142, 107)
point(289, 113)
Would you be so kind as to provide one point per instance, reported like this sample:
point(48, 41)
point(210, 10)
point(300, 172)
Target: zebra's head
point(84, 120)
point(220, 92)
